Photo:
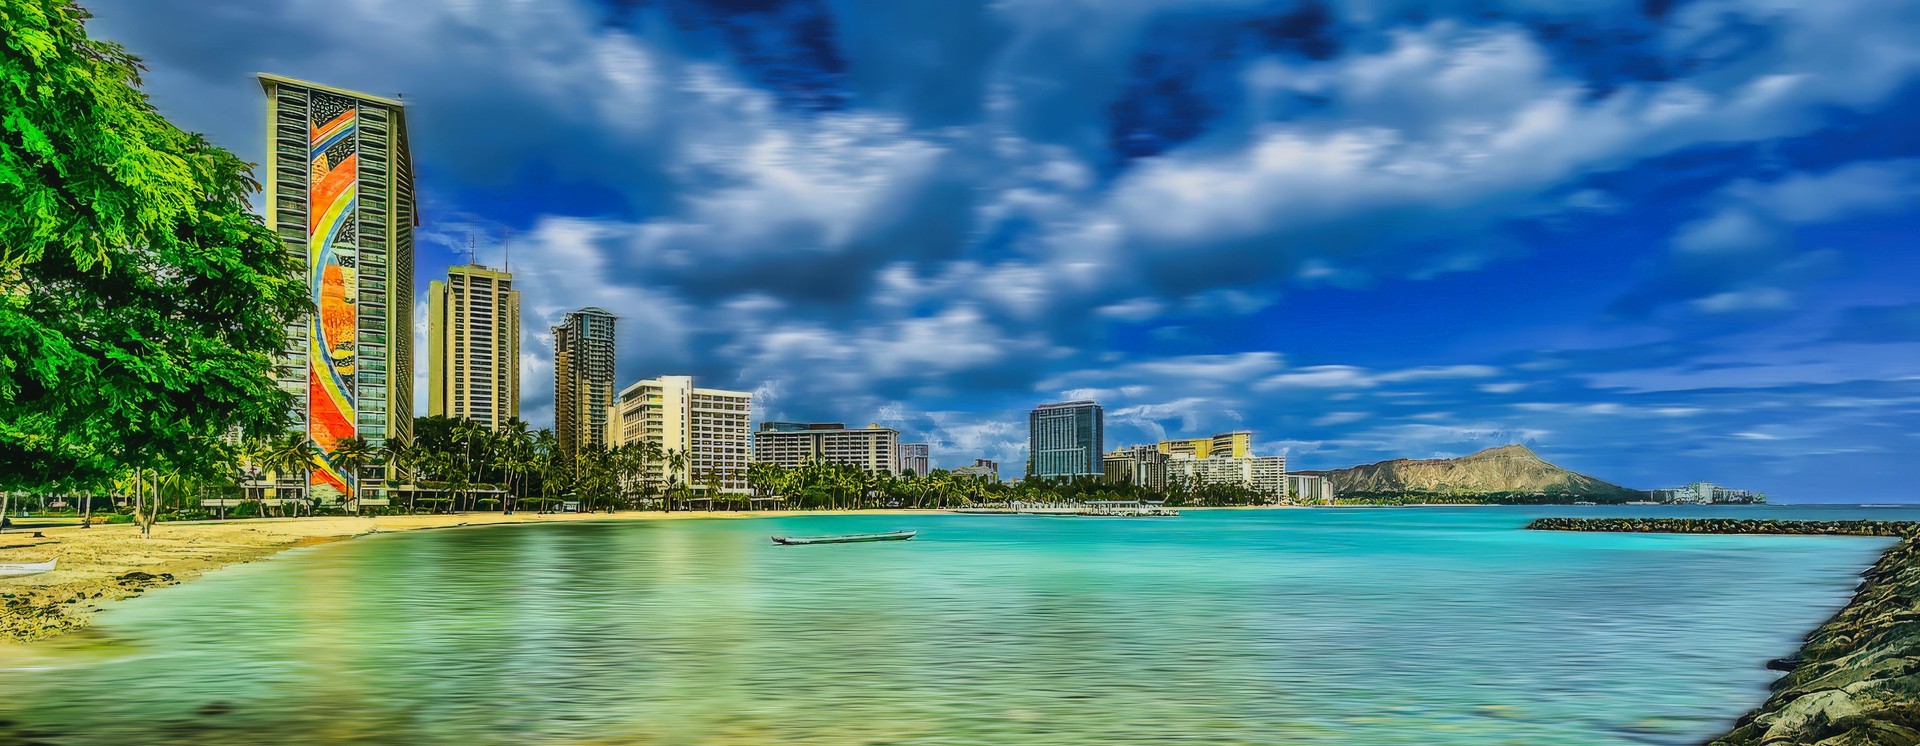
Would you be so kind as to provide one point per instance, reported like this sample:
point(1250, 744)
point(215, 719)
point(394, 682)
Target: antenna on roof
point(470, 247)
point(506, 251)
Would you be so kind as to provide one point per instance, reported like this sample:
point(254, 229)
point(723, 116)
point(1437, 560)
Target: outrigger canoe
point(29, 569)
point(844, 538)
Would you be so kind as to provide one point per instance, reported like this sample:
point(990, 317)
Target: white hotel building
point(708, 425)
point(1267, 474)
point(790, 444)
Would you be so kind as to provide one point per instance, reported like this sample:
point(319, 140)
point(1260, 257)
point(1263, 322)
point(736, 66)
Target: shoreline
point(1856, 678)
point(109, 563)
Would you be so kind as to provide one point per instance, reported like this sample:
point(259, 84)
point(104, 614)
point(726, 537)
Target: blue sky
point(1660, 241)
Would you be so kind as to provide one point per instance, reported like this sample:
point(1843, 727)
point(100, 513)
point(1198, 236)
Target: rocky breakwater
point(1856, 681)
point(1728, 526)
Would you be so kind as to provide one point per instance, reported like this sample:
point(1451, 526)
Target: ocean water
point(1363, 627)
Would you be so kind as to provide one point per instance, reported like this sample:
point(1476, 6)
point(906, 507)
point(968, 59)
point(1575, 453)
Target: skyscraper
point(583, 362)
point(914, 459)
point(473, 346)
point(340, 194)
point(1065, 439)
point(706, 426)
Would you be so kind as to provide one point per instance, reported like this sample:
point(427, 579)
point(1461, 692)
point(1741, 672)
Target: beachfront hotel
point(982, 468)
point(790, 444)
point(709, 426)
point(1310, 489)
point(1237, 444)
point(583, 380)
point(1145, 466)
point(340, 195)
point(473, 346)
point(1264, 474)
point(915, 459)
point(1064, 439)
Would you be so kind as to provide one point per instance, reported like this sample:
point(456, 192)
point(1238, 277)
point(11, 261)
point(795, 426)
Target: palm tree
point(545, 447)
point(710, 479)
point(761, 476)
point(352, 455)
point(647, 456)
point(468, 434)
point(289, 455)
point(676, 462)
point(404, 458)
point(517, 440)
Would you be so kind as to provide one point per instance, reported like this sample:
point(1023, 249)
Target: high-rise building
point(583, 381)
point(1142, 465)
point(340, 194)
point(473, 346)
point(790, 444)
point(708, 427)
point(1065, 439)
point(914, 459)
point(1237, 444)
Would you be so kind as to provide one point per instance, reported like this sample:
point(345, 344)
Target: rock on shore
point(1856, 682)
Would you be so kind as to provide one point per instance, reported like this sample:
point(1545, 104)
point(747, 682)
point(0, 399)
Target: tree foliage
point(143, 301)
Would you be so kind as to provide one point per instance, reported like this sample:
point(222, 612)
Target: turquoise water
point(1367, 627)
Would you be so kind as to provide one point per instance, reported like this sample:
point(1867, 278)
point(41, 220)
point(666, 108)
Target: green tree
point(141, 301)
point(676, 462)
point(290, 456)
point(353, 455)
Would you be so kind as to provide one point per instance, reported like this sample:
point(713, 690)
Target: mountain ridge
point(1503, 469)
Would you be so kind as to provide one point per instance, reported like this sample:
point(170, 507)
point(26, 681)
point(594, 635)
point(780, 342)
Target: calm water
point(1363, 626)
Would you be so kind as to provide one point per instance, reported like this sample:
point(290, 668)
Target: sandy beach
point(105, 563)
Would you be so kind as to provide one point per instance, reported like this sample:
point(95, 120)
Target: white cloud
point(1339, 418)
point(1746, 301)
point(1347, 376)
point(1858, 188)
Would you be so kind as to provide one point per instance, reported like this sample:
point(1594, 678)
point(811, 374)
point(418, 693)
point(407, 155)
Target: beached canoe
point(28, 569)
point(844, 538)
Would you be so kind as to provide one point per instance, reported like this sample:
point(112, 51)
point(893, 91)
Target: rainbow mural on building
point(332, 254)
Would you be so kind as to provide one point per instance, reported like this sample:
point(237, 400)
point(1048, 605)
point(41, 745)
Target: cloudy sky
point(1660, 240)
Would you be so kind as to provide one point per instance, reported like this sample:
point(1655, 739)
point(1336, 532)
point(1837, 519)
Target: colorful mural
point(332, 253)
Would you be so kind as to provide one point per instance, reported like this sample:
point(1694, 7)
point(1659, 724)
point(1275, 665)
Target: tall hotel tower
point(473, 346)
point(583, 361)
point(340, 194)
point(1064, 439)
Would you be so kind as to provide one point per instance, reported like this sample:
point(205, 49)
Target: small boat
point(844, 538)
point(28, 569)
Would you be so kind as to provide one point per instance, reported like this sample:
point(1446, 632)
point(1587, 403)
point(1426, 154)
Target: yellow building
point(473, 346)
point(1236, 444)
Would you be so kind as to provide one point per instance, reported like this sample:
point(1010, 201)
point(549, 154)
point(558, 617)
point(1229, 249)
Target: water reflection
point(1301, 627)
